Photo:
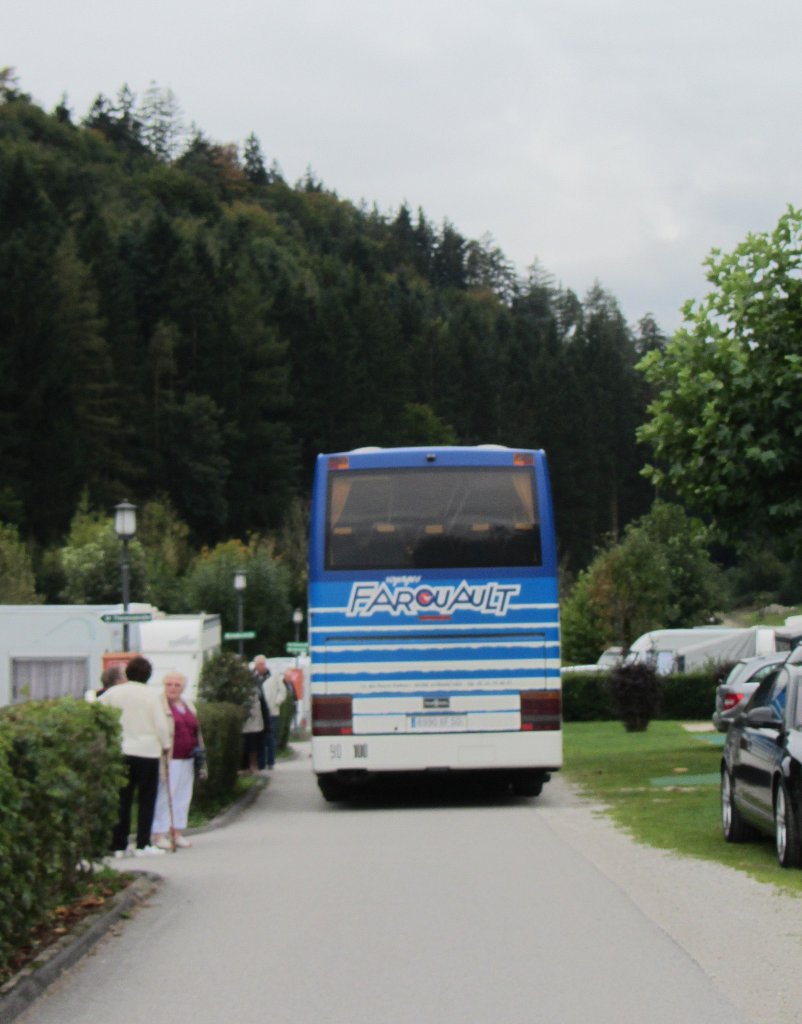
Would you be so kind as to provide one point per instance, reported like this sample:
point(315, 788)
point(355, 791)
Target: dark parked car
point(742, 680)
point(761, 771)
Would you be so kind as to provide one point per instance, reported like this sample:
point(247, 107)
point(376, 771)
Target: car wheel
point(786, 829)
point(735, 829)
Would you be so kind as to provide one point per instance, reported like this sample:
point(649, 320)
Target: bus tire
point(528, 784)
point(332, 788)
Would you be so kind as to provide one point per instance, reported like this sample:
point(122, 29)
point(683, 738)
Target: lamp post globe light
point(125, 528)
point(297, 618)
point(240, 583)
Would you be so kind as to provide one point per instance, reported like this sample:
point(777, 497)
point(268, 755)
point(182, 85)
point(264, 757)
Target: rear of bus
point(434, 623)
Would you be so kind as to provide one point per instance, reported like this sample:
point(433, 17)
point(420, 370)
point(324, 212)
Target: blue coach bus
point(433, 616)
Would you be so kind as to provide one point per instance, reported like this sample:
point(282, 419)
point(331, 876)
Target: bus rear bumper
point(462, 751)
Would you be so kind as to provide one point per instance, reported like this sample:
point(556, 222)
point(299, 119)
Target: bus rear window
point(432, 518)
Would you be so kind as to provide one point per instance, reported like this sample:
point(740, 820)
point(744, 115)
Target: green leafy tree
point(118, 121)
point(196, 466)
point(176, 326)
point(420, 425)
point(161, 127)
point(91, 560)
point(254, 162)
point(726, 421)
point(659, 576)
point(9, 86)
point(292, 542)
point(583, 630)
point(168, 554)
point(82, 367)
point(267, 609)
point(630, 587)
point(226, 679)
point(695, 581)
point(17, 583)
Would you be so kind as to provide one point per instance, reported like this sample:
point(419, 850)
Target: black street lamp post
point(240, 583)
point(297, 618)
point(125, 528)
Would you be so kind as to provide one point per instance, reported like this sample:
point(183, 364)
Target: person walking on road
point(145, 739)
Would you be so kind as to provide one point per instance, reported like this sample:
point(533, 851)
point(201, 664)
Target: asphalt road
point(453, 909)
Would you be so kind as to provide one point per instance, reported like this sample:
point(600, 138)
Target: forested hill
point(181, 321)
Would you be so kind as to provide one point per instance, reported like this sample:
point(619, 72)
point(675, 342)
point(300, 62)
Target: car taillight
point(332, 716)
point(540, 710)
point(731, 699)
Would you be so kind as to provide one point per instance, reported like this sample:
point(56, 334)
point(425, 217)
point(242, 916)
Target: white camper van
point(180, 643)
point(57, 650)
point(683, 650)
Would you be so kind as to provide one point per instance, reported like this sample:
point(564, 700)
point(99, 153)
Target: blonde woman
point(185, 736)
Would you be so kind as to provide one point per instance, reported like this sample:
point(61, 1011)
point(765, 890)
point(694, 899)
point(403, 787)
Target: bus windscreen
point(442, 517)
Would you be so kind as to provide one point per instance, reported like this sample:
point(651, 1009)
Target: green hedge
point(60, 776)
point(689, 696)
point(221, 725)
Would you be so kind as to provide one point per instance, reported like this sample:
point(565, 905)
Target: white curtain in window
point(47, 678)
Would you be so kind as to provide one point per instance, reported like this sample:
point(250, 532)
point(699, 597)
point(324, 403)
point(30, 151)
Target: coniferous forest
point(178, 321)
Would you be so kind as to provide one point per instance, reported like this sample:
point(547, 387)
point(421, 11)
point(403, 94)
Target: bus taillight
point(540, 710)
point(332, 716)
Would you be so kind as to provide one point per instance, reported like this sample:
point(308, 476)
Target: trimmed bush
point(585, 697)
point(634, 692)
point(688, 695)
point(226, 679)
point(685, 696)
point(221, 725)
point(60, 776)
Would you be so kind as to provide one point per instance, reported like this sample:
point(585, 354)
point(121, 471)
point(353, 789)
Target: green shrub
point(221, 725)
point(688, 695)
point(60, 776)
point(226, 678)
point(634, 692)
point(16, 877)
point(585, 697)
point(684, 696)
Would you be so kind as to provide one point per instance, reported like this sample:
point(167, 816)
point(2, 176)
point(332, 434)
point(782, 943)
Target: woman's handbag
point(199, 764)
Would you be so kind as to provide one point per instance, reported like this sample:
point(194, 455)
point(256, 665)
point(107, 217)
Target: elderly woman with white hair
point(172, 804)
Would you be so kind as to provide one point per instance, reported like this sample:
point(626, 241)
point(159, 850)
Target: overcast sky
point(610, 140)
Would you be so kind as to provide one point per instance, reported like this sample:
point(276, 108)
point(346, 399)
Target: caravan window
point(47, 678)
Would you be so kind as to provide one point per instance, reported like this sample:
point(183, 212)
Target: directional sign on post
point(127, 617)
point(247, 634)
point(297, 647)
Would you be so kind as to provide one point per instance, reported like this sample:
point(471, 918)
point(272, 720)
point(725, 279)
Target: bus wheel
point(332, 788)
point(528, 784)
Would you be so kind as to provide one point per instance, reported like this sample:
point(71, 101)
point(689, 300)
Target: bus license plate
point(438, 723)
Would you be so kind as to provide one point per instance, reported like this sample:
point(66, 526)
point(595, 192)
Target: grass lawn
point(662, 787)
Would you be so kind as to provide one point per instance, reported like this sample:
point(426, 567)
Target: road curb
point(19, 992)
point(230, 813)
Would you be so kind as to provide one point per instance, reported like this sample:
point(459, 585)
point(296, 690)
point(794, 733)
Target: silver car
point(741, 682)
